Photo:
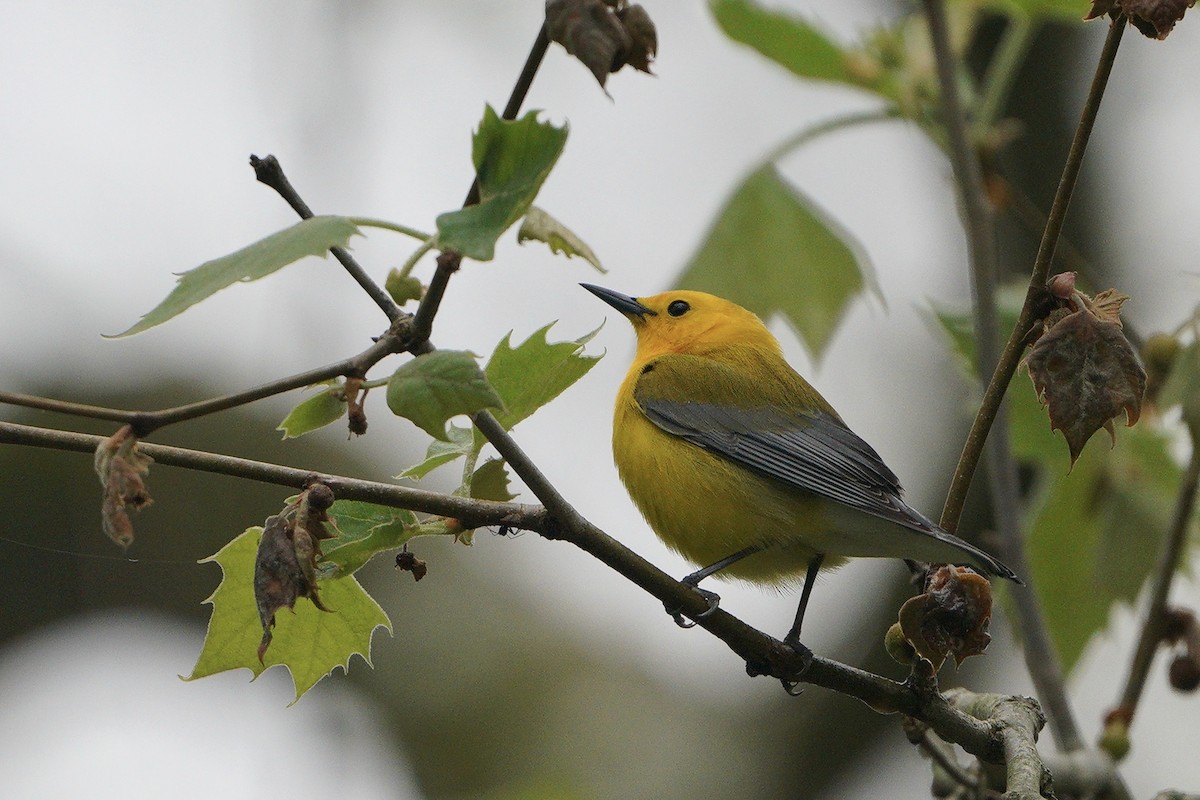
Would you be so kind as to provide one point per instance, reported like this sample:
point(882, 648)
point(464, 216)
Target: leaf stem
point(807, 135)
point(1002, 70)
point(406, 268)
point(370, 222)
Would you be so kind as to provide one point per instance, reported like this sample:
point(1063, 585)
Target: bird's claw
point(712, 598)
point(792, 685)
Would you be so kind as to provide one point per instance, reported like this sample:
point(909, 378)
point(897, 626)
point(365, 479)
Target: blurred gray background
point(518, 667)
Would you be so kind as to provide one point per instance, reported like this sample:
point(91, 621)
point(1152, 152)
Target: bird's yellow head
point(688, 322)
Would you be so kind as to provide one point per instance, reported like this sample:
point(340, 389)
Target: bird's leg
point(792, 639)
point(712, 598)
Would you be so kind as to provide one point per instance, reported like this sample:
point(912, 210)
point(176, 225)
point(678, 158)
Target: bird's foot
point(791, 685)
point(712, 598)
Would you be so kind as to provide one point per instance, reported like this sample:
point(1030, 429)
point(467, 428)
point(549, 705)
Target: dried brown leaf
point(591, 31)
point(1107, 306)
point(951, 617)
point(1153, 18)
point(1086, 374)
point(278, 578)
point(643, 37)
point(121, 467)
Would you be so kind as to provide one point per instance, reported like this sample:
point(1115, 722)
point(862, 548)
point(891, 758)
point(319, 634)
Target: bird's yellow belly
point(706, 509)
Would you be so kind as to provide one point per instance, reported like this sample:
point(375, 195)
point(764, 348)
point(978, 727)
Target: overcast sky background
point(124, 136)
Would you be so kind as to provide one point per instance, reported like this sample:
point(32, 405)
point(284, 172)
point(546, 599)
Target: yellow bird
point(742, 467)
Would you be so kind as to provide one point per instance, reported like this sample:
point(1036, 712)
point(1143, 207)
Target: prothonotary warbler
point(743, 467)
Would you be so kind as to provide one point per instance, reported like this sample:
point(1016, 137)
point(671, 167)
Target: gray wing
point(813, 452)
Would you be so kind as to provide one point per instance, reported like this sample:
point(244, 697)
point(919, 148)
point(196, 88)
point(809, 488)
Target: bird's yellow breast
point(706, 508)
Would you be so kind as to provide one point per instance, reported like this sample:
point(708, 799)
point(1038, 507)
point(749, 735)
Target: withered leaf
point(407, 561)
point(1153, 18)
point(643, 37)
point(1086, 373)
point(591, 31)
point(1107, 306)
point(951, 618)
point(121, 467)
point(278, 579)
point(285, 567)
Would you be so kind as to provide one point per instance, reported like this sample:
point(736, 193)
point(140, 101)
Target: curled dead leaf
point(1153, 18)
point(121, 468)
point(603, 34)
point(1082, 366)
point(285, 566)
point(406, 561)
point(951, 617)
point(643, 37)
point(1086, 373)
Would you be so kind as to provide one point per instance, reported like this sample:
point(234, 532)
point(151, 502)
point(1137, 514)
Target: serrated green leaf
point(512, 160)
point(540, 226)
point(458, 444)
point(431, 389)
point(771, 250)
point(360, 531)
point(490, 482)
point(403, 288)
point(324, 408)
point(535, 372)
point(310, 642)
point(310, 237)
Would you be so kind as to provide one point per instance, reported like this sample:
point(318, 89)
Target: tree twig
point(1040, 657)
point(146, 422)
point(918, 699)
point(268, 171)
point(1034, 303)
point(1168, 563)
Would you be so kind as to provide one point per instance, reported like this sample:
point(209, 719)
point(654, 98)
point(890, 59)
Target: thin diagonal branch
point(1040, 656)
point(1034, 306)
point(914, 698)
point(146, 422)
point(268, 171)
point(1153, 625)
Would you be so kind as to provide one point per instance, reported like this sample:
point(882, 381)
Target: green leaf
point(490, 482)
point(535, 372)
point(310, 642)
point(772, 250)
point(431, 389)
point(403, 288)
point(1097, 531)
point(784, 38)
point(1039, 9)
point(541, 227)
point(320, 410)
point(458, 444)
point(311, 237)
point(360, 531)
point(512, 160)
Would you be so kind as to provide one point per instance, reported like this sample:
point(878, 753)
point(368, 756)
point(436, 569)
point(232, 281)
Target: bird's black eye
point(678, 308)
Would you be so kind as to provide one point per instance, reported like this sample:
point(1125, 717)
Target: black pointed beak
point(629, 306)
